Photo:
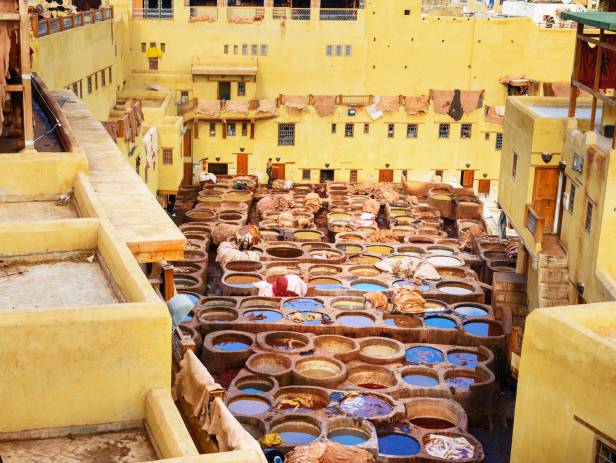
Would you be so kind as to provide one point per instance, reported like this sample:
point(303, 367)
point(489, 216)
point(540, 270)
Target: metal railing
point(534, 223)
point(245, 13)
point(204, 13)
point(43, 27)
point(338, 14)
point(153, 13)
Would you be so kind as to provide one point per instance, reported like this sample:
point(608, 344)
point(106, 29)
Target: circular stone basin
point(471, 311)
point(441, 323)
point(444, 261)
point(435, 306)
point(350, 248)
point(302, 303)
point(243, 266)
point(381, 349)
point(285, 252)
point(363, 259)
point(420, 378)
point(379, 250)
point(398, 212)
point(218, 314)
point(424, 288)
point(424, 355)
point(297, 432)
point(340, 216)
point(310, 318)
point(286, 341)
point(429, 422)
point(230, 216)
point(232, 342)
point(402, 321)
point(464, 359)
point(441, 251)
point(262, 316)
point(371, 377)
point(249, 405)
point(456, 288)
point(398, 445)
point(348, 303)
point(299, 400)
point(366, 405)
point(242, 280)
point(254, 384)
point(368, 286)
point(460, 380)
point(326, 284)
point(483, 329)
point(269, 364)
point(324, 270)
point(317, 368)
point(334, 344)
point(355, 320)
point(308, 235)
point(185, 281)
point(364, 271)
point(326, 254)
point(348, 436)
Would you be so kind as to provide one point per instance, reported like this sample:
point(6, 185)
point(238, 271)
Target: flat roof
point(600, 20)
point(562, 112)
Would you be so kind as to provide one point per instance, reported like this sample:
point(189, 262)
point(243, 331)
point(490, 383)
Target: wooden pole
point(26, 75)
point(593, 111)
point(576, 71)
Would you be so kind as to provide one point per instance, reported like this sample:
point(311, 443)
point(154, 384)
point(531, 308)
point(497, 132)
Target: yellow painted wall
point(567, 347)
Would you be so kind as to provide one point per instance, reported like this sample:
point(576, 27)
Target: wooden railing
point(534, 223)
point(43, 27)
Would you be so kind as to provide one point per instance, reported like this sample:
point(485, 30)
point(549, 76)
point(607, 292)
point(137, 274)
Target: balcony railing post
point(35, 25)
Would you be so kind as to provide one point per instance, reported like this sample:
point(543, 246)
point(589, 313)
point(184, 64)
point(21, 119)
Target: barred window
point(286, 134)
point(244, 129)
point(353, 176)
point(255, 49)
point(163, 46)
point(153, 64)
point(333, 129)
point(571, 198)
point(338, 50)
point(390, 130)
point(348, 130)
point(235, 49)
point(605, 453)
point(466, 130)
point(306, 174)
point(264, 50)
point(329, 50)
point(411, 131)
point(225, 49)
point(244, 49)
point(347, 50)
point(241, 89)
point(443, 130)
point(366, 128)
point(231, 129)
point(499, 142)
point(142, 47)
point(184, 96)
point(167, 156)
point(212, 129)
point(89, 84)
point(75, 88)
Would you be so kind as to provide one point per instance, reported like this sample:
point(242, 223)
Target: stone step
point(553, 262)
point(554, 291)
point(553, 275)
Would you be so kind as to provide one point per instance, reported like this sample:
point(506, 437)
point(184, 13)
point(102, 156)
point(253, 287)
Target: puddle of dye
point(255, 388)
point(483, 329)
point(356, 321)
point(455, 290)
point(366, 406)
point(248, 407)
point(231, 345)
point(432, 423)
point(186, 318)
point(441, 252)
point(444, 261)
point(302, 304)
point(398, 445)
point(262, 316)
point(425, 355)
point(368, 287)
point(348, 436)
point(463, 359)
point(471, 311)
point(421, 380)
point(460, 382)
point(296, 437)
point(440, 323)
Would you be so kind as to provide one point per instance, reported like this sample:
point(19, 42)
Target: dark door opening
point(327, 175)
point(218, 168)
point(224, 90)
point(467, 178)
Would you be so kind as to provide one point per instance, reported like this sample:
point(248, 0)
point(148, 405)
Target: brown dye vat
point(341, 228)
point(241, 279)
point(342, 237)
point(502, 266)
point(269, 364)
point(340, 347)
point(230, 216)
point(188, 283)
point(286, 341)
point(201, 215)
point(282, 269)
point(217, 314)
point(319, 371)
point(192, 255)
point(364, 271)
point(415, 249)
point(301, 399)
point(495, 255)
point(420, 239)
point(348, 303)
point(436, 414)
point(452, 273)
point(259, 303)
point(371, 377)
point(324, 270)
point(244, 266)
point(285, 252)
point(218, 302)
point(270, 235)
point(182, 268)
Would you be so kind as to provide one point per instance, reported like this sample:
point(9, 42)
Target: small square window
point(439, 174)
point(514, 169)
point(163, 46)
point(411, 131)
point(231, 129)
point(286, 134)
point(244, 49)
point(329, 50)
point(348, 130)
point(212, 129)
point(353, 176)
point(153, 64)
point(143, 49)
point(306, 175)
point(103, 79)
point(110, 75)
point(167, 156)
point(241, 89)
point(466, 130)
point(486, 136)
point(226, 49)
point(390, 130)
point(76, 88)
point(236, 49)
point(498, 145)
point(366, 128)
point(338, 50)
point(443, 130)
point(589, 209)
point(264, 49)
point(254, 49)
point(347, 50)
point(244, 129)
point(572, 198)
point(184, 96)
point(333, 129)
point(407, 12)
point(152, 44)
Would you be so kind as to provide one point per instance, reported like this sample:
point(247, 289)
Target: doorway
point(242, 164)
point(545, 190)
point(278, 171)
point(327, 175)
point(483, 187)
point(224, 90)
point(187, 178)
point(467, 178)
point(386, 175)
point(218, 168)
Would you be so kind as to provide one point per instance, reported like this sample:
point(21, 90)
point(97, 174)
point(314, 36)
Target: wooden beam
point(576, 70)
point(600, 43)
point(593, 111)
point(606, 99)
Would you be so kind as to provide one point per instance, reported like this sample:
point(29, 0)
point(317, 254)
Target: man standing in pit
point(269, 170)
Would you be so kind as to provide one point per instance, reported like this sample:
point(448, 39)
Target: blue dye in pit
point(483, 329)
point(248, 406)
point(328, 287)
point(193, 298)
point(255, 388)
point(470, 311)
point(424, 288)
point(463, 359)
point(398, 445)
point(348, 436)
point(302, 304)
point(424, 355)
point(368, 287)
point(390, 322)
point(440, 323)
point(295, 437)
point(262, 316)
point(417, 379)
point(357, 321)
point(460, 382)
point(252, 390)
point(240, 285)
point(231, 346)
point(186, 318)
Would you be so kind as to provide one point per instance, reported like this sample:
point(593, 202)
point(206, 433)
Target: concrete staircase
point(553, 281)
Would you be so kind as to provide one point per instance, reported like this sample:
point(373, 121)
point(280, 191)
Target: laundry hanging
point(416, 104)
